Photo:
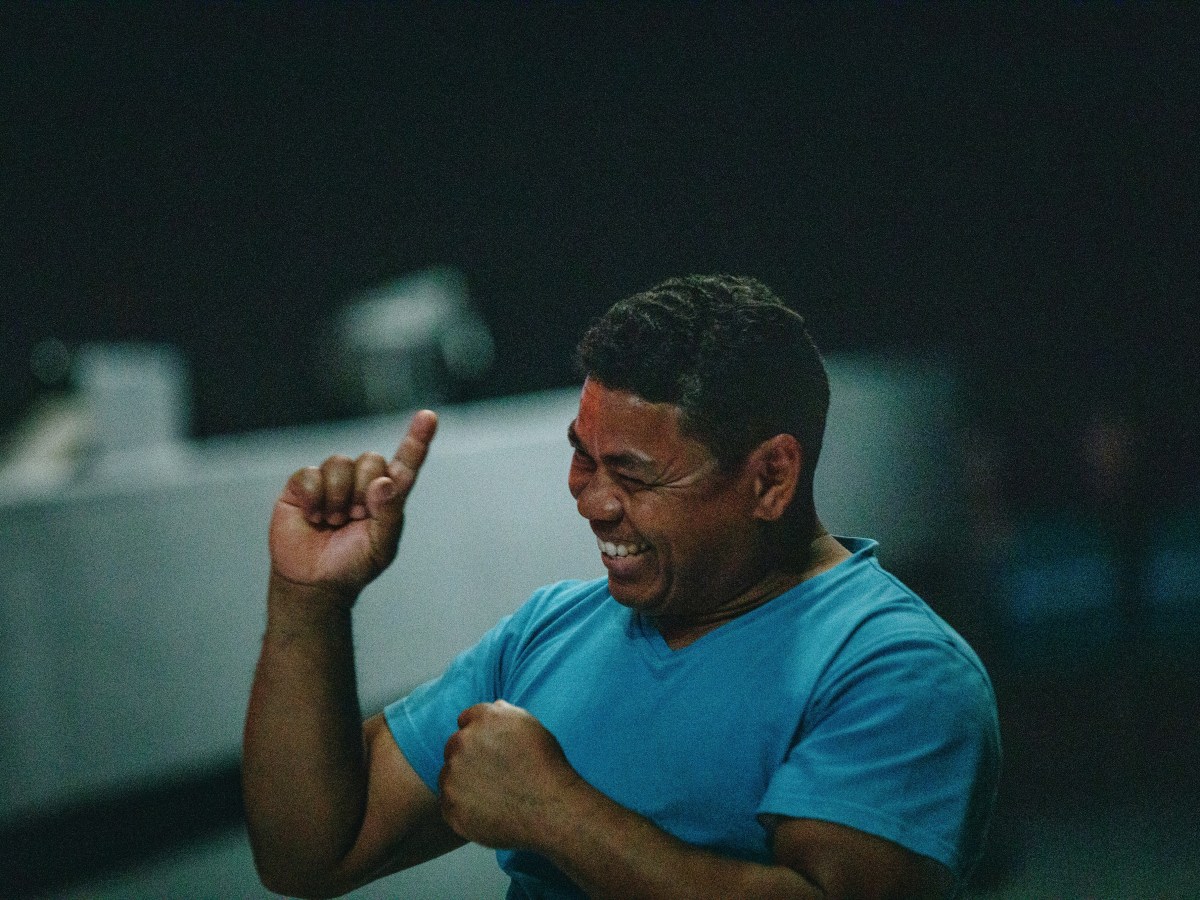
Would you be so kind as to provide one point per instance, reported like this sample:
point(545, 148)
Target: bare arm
point(618, 854)
point(506, 783)
point(331, 803)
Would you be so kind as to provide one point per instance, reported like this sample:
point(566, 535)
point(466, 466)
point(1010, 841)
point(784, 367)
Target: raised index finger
point(406, 463)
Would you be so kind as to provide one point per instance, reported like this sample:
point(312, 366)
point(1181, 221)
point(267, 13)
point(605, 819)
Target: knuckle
point(338, 471)
point(308, 479)
point(338, 462)
point(367, 468)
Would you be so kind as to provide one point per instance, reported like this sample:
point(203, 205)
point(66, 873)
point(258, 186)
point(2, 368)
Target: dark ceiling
point(1012, 187)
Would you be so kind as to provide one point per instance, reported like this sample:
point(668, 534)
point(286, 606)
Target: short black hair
point(741, 366)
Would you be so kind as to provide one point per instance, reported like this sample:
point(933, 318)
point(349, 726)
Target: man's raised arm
point(331, 803)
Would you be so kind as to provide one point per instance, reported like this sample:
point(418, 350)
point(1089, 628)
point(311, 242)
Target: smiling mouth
point(608, 548)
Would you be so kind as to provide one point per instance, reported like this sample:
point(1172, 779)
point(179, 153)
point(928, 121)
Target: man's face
point(677, 536)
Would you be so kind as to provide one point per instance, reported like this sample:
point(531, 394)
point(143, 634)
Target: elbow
point(288, 885)
point(300, 888)
point(301, 882)
point(299, 868)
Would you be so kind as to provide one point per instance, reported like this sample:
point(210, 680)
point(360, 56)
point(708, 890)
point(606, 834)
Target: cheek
point(695, 535)
point(657, 522)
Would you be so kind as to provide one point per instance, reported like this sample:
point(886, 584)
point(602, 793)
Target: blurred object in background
point(414, 341)
point(1173, 583)
point(1111, 578)
point(102, 406)
point(1059, 594)
point(136, 397)
point(43, 448)
point(892, 467)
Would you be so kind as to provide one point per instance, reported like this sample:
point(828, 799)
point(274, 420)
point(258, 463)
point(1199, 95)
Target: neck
point(820, 554)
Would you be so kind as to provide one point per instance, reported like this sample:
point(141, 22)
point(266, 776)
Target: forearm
point(304, 771)
point(611, 852)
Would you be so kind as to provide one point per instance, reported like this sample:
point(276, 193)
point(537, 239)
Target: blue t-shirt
point(844, 699)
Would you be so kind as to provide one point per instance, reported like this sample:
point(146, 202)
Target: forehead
point(617, 422)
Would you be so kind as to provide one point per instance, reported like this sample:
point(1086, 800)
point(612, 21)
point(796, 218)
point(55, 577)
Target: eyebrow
point(637, 462)
point(573, 438)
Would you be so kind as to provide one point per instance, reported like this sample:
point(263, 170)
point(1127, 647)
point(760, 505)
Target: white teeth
point(608, 548)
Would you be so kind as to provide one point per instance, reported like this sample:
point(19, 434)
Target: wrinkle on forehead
point(625, 431)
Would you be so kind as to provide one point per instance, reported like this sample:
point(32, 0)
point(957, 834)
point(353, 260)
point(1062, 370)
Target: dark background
point(1015, 187)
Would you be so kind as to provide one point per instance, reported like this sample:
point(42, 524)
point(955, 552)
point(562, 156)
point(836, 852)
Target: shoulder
point(877, 613)
point(563, 597)
point(904, 683)
point(562, 604)
point(886, 642)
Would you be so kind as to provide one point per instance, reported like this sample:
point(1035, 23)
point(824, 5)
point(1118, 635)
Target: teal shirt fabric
point(844, 699)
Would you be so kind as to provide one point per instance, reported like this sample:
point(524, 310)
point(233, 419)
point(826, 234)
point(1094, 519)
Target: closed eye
point(582, 460)
point(627, 468)
point(633, 482)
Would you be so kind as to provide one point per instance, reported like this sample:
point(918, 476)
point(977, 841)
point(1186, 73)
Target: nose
point(596, 499)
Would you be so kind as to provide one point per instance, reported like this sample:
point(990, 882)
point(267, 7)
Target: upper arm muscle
point(403, 825)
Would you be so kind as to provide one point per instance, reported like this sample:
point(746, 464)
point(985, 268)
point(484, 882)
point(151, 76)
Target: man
point(745, 706)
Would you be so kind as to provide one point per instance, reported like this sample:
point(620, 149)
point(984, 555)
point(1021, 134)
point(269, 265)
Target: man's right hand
point(331, 802)
point(336, 526)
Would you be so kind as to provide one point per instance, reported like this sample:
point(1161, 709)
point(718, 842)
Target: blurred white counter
point(133, 604)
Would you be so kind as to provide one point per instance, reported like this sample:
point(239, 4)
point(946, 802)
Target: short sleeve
point(424, 720)
point(902, 743)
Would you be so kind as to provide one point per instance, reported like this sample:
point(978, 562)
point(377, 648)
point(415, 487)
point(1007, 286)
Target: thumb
point(385, 512)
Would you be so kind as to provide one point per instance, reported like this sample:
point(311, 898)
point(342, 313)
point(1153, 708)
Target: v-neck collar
point(656, 648)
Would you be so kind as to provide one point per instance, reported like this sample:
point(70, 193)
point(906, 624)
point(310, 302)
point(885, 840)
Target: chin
point(623, 593)
point(634, 599)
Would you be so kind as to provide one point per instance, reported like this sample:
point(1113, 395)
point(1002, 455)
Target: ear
point(776, 464)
